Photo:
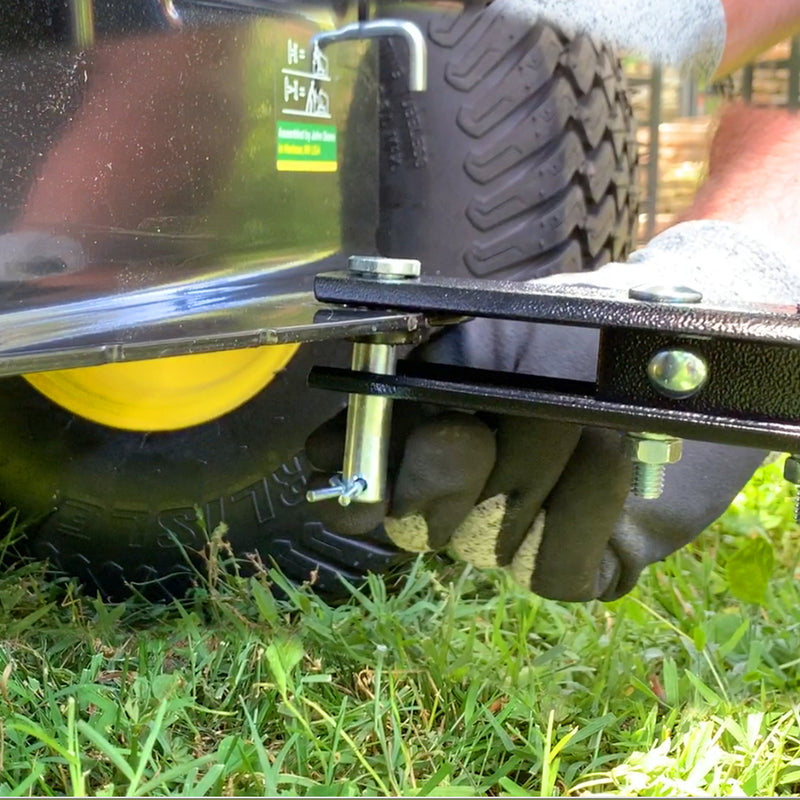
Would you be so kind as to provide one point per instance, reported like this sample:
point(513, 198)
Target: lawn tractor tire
point(518, 161)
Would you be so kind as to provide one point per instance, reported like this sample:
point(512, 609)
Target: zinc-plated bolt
point(665, 294)
point(650, 453)
point(677, 374)
point(385, 269)
point(791, 472)
point(647, 480)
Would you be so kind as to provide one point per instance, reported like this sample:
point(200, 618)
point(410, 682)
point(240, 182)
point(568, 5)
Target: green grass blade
point(108, 749)
point(147, 749)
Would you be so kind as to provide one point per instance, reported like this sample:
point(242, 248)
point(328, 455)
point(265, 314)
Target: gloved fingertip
point(447, 456)
point(408, 533)
point(523, 564)
point(475, 539)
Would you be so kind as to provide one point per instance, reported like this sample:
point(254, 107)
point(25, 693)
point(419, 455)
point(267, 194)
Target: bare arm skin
point(753, 27)
point(754, 174)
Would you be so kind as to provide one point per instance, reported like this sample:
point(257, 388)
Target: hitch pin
point(369, 417)
point(366, 443)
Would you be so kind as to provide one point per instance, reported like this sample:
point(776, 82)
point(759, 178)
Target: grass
point(448, 682)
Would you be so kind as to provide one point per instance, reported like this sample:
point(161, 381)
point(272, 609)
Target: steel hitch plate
point(45, 326)
point(678, 367)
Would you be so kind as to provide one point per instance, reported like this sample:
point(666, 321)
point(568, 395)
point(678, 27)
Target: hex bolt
point(650, 453)
point(384, 269)
point(791, 473)
point(647, 480)
point(366, 447)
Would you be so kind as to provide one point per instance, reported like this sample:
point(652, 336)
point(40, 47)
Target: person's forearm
point(752, 28)
point(754, 174)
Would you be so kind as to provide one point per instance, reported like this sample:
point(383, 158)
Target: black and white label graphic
point(304, 92)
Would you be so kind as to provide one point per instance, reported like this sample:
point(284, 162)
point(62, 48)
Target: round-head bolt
point(665, 294)
point(677, 374)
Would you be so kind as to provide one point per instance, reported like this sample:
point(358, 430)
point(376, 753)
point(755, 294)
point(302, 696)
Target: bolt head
point(665, 294)
point(791, 469)
point(650, 449)
point(385, 269)
point(677, 374)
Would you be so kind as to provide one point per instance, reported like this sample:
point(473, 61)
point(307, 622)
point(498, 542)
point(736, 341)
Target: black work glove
point(548, 501)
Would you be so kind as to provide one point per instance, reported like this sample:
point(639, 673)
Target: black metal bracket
point(751, 396)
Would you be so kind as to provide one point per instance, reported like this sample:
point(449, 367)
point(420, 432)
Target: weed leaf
point(749, 570)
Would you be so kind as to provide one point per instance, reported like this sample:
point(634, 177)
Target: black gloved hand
point(550, 501)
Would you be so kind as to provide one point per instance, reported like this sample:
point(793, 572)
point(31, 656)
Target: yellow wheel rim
point(166, 393)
